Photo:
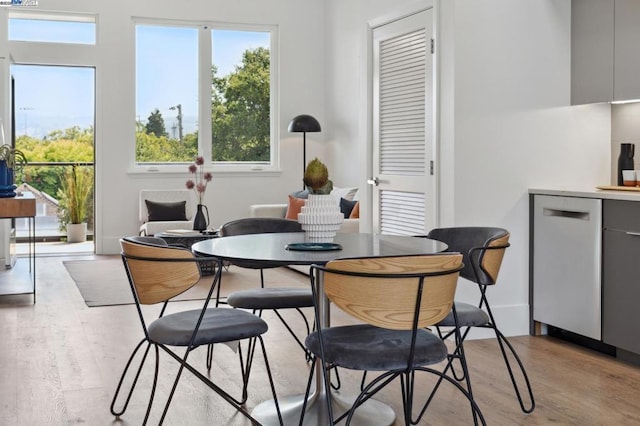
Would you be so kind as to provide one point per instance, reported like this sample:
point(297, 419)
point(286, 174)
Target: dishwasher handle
point(570, 214)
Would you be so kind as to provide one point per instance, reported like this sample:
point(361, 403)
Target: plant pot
point(320, 218)
point(6, 181)
point(76, 232)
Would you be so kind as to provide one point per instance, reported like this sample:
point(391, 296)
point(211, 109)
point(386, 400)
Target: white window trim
point(204, 110)
point(91, 18)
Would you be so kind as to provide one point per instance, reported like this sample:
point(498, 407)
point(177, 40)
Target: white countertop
point(585, 193)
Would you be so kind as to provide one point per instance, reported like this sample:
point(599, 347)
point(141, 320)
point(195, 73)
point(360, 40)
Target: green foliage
point(153, 149)
point(69, 145)
point(75, 195)
point(155, 124)
point(240, 110)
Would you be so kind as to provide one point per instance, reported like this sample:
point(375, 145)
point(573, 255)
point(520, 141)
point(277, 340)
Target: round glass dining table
point(273, 249)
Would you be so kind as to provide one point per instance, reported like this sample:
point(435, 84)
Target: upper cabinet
point(605, 51)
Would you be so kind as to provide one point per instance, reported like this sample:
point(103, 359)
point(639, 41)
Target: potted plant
point(11, 160)
point(199, 185)
point(316, 178)
point(320, 217)
point(74, 196)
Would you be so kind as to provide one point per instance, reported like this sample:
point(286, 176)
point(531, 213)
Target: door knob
point(373, 181)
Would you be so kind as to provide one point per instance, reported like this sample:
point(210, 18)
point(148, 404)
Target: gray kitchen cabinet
point(621, 275)
point(605, 51)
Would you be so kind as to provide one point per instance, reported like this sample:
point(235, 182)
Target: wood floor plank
point(60, 362)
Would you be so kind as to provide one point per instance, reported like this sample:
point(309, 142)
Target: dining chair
point(396, 299)
point(268, 298)
point(157, 273)
point(483, 249)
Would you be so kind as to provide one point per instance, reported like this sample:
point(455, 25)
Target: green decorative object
point(316, 178)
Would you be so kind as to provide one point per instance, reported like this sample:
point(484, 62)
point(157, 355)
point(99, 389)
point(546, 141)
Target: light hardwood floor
point(60, 361)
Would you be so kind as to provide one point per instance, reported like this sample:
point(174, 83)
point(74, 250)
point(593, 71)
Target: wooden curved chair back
point(158, 273)
point(383, 291)
point(491, 260)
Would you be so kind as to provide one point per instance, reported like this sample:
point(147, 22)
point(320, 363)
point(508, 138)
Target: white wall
point(514, 129)
point(505, 123)
point(229, 196)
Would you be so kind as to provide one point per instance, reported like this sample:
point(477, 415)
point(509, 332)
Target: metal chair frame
point(245, 365)
point(406, 375)
point(260, 227)
point(474, 257)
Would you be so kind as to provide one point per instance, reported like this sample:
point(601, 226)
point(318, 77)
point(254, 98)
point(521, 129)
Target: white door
point(404, 185)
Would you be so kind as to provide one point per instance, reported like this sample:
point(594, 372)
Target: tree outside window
point(239, 89)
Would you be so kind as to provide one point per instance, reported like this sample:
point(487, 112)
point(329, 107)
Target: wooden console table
point(23, 205)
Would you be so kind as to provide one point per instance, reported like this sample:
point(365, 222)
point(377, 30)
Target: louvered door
point(403, 199)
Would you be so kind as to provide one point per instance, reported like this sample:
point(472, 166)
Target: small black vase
point(200, 223)
point(625, 159)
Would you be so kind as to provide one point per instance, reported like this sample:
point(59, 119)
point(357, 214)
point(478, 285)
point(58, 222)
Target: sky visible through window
point(52, 98)
point(48, 31)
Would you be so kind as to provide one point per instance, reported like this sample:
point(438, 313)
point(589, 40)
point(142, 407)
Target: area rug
point(103, 282)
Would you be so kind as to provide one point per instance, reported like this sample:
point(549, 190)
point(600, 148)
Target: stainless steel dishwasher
point(567, 241)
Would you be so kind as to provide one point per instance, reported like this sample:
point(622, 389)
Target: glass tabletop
point(272, 247)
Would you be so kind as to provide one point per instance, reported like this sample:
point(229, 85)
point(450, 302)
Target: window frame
point(34, 15)
point(205, 61)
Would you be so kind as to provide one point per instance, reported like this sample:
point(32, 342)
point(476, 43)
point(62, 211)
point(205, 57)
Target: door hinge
point(431, 167)
point(433, 47)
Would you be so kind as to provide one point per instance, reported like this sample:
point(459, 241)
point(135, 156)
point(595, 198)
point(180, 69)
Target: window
point(185, 73)
point(51, 28)
point(166, 94)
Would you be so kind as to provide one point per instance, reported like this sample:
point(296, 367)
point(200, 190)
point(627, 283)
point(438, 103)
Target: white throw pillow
point(346, 193)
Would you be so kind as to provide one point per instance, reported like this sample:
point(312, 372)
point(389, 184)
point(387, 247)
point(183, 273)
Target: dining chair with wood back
point(395, 299)
point(483, 249)
point(272, 298)
point(157, 273)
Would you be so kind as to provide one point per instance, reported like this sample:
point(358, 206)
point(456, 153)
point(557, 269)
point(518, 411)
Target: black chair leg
point(502, 341)
point(118, 413)
point(173, 388)
point(273, 388)
point(306, 394)
point(209, 357)
point(477, 414)
point(154, 386)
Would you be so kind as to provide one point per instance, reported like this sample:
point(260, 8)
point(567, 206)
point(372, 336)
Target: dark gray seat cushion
point(272, 298)
point(468, 316)
point(218, 325)
point(365, 347)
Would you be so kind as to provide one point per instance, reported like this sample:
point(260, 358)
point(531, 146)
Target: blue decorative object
point(6, 181)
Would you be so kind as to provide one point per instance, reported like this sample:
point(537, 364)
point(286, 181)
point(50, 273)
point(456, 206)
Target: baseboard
point(110, 245)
